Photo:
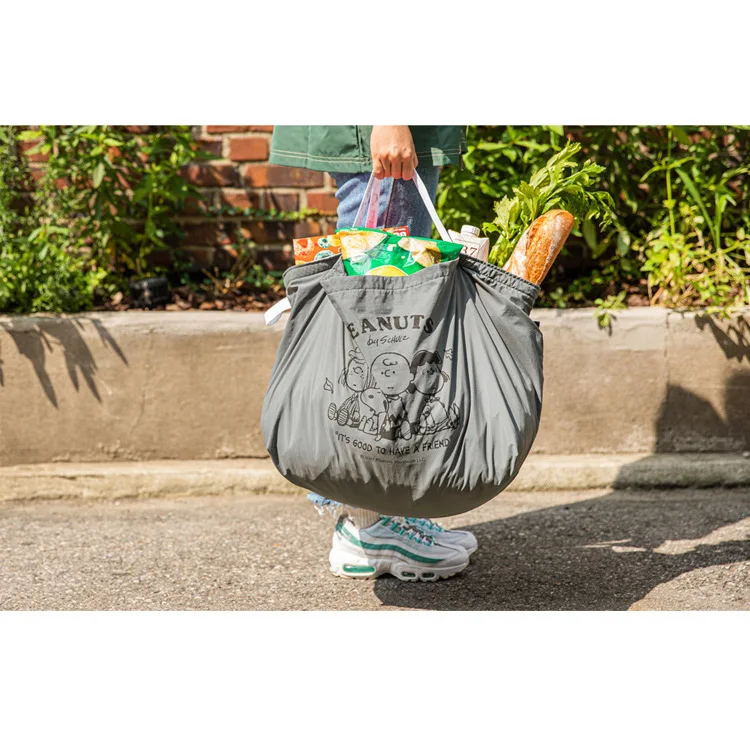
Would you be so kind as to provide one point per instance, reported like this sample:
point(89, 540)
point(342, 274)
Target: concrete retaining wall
point(153, 385)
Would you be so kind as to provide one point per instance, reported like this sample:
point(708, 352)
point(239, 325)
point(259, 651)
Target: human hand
point(393, 152)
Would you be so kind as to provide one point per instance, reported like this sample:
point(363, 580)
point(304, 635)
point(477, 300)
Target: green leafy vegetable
point(561, 183)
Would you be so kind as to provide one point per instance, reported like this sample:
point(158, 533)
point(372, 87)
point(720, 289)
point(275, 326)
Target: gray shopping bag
point(415, 395)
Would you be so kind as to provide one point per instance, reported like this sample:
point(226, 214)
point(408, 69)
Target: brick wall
point(241, 178)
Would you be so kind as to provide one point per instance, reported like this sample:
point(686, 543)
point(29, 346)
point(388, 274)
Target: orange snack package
point(315, 248)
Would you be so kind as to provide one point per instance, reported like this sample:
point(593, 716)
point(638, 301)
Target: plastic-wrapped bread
point(539, 245)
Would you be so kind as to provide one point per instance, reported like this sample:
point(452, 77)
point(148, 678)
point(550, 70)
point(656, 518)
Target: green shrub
point(680, 231)
point(37, 272)
point(108, 200)
point(120, 193)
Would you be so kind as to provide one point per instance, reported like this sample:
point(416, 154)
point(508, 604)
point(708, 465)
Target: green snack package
point(394, 255)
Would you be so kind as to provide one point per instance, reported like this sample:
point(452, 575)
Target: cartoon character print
point(374, 407)
point(383, 400)
point(428, 379)
point(392, 375)
point(357, 379)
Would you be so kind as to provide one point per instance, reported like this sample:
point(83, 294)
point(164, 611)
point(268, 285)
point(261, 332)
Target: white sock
point(361, 518)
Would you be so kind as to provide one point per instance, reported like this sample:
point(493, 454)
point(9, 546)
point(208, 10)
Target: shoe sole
point(367, 569)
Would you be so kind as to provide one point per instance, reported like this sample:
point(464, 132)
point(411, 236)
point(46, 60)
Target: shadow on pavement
point(608, 552)
point(601, 554)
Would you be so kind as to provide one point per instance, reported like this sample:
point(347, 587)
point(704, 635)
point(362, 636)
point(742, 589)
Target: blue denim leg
point(323, 504)
point(399, 205)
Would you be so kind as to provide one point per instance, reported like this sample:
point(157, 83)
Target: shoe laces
point(408, 530)
point(424, 523)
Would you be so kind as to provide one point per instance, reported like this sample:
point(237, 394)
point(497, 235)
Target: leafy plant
point(604, 308)
point(680, 222)
point(37, 273)
point(119, 193)
point(561, 183)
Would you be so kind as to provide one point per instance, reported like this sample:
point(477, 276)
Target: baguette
point(539, 245)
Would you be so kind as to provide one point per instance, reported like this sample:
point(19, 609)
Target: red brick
point(322, 202)
point(159, 258)
point(314, 228)
point(269, 231)
point(211, 175)
point(308, 228)
point(228, 128)
point(207, 234)
point(224, 257)
point(239, 128)
point(242, 148)
point(196, 206)
point(241, 199)
point(26, 146)
point(280, 201)
point(212, 145)
point(202, 257)
point(273, 175)
point(277, 259)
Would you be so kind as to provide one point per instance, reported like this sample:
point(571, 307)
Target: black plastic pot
point(150, 293)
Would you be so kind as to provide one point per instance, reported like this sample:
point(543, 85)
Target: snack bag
point(395, 256)
point(315, 248)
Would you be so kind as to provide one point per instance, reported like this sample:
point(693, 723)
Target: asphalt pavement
point(587, 550)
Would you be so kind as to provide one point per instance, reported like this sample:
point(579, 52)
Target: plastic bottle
point(474, 245)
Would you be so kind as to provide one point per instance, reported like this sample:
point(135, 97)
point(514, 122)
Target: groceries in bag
point(539, 245)
point(547, 205)
point(307, 249)
point(474, 245)
point(374, 394)
point(397, 256)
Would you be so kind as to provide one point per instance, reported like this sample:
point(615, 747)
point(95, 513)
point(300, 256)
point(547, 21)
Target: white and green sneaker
point(392, 547)
point(456, 537)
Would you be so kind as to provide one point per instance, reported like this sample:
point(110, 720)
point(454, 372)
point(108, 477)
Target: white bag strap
point(274, 313)
point(372, 196)
point(430, 208)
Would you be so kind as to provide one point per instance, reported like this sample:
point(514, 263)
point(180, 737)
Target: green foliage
point(663, 212)
point(118, 192)
point(108, 199)
point(604, 308)
point(679, 229)
point(37, 273)
point(559, 184)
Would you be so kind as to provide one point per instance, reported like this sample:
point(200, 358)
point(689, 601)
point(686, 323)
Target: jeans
point(399, 205)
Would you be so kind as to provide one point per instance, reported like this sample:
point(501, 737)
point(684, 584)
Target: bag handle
point(372, 196)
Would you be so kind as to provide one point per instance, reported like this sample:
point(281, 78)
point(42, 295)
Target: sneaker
point(457, 538)
point(392, 547)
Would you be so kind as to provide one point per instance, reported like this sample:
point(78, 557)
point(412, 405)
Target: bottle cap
point(470, 230)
